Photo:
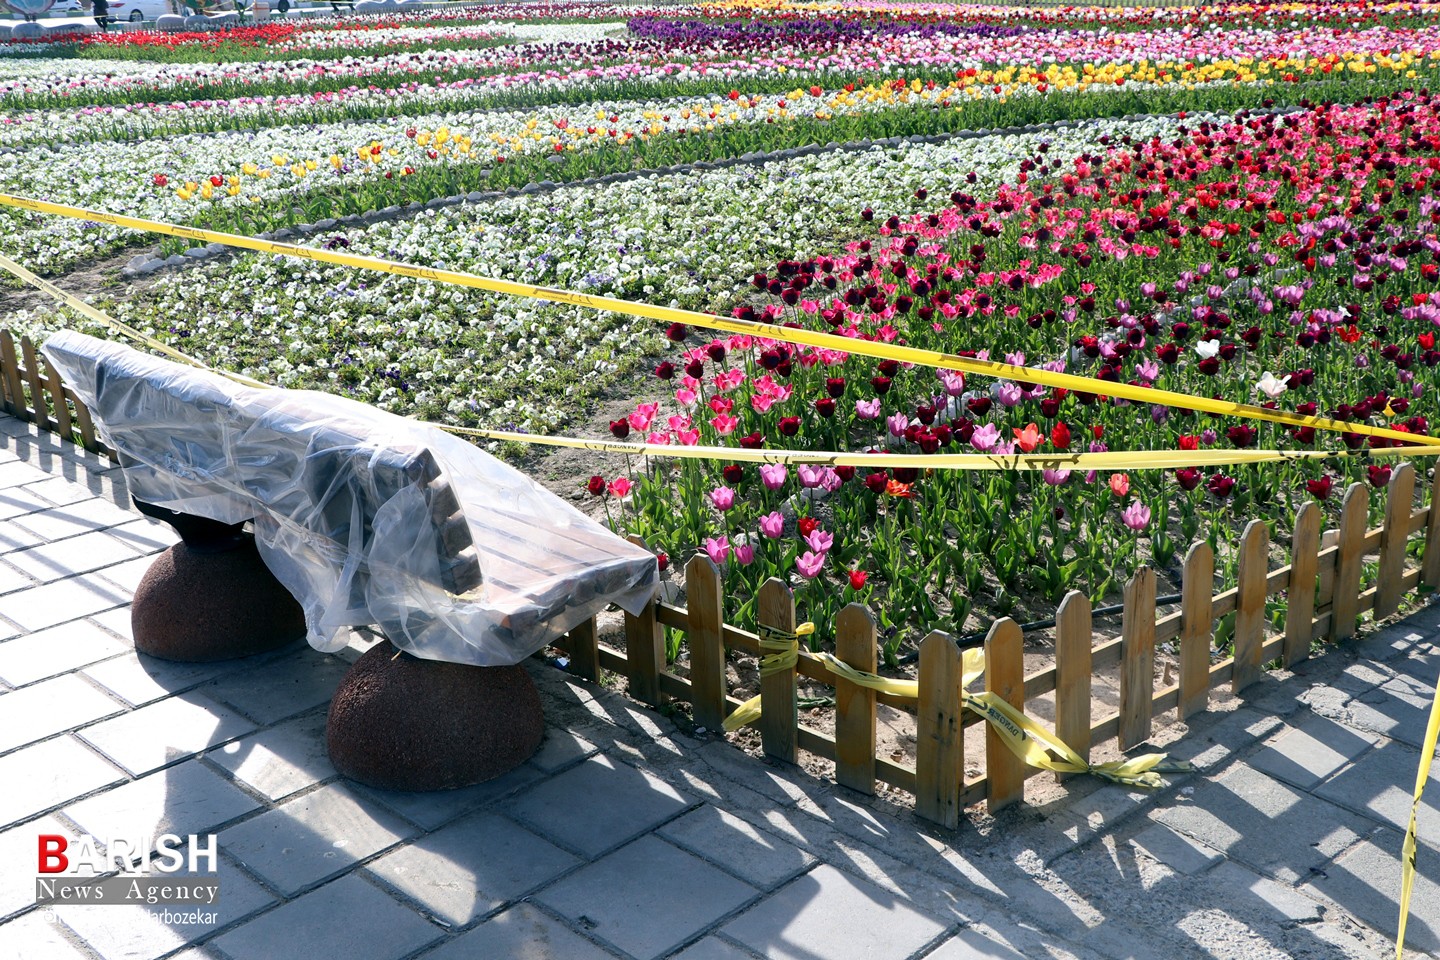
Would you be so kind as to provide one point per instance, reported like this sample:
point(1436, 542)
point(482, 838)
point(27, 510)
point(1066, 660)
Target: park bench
point(364, 516)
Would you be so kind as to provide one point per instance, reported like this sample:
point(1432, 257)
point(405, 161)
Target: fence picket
point(1300, 591)
point(583, 645)
point(1073, 652)
point(1196, 626)
point(15, 403)
point(778, 716)
point(1345, 593)
point(57, 400)
point(707, 647)
point(644, 649)
point(854, 704)
point(37, 389)
point(940, 741)
point(1005, 677)
point(1137, 659)
point(1250, 605)
point(1400, 495)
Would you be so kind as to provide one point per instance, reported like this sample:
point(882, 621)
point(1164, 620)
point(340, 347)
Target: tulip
point(718, 549)
point(1120, 484)
point(1029, 438)
point(620, 487)
point(596, 486)
point(857, 579)
point(1136, 516)
point(820, 541)
point(809, 564)
point(745, 554)
point(772, 524)
point(723, 498)
point(773, 475)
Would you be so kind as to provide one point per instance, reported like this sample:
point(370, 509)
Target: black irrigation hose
point(970, 639)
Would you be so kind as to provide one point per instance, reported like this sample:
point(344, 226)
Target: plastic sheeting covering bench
point(365, 518)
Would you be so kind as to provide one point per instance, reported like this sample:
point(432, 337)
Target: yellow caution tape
point(1109, 460)
point(1027, 739)
point(1407, 850)
point(781, 652)
point(827, 341)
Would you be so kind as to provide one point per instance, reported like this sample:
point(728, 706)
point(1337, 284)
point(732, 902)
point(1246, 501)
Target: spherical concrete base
point(402, 723)
point(198, 607)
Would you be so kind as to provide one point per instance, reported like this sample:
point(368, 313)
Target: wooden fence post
point(583, 645)
point(644, 649)
point(706, 602)
point(10, 370)
point(778, 715)
point(1300, 591)
point(940, 741)
point(1250, 606)
point(1005, 677)
point(1345, 595)
point(1400, 496)
point(1137, 659)
point(37, 390)
point(1430, 566)
point(57, 399)
point(854, 704)
point(1197, 623)
point(1073, 650)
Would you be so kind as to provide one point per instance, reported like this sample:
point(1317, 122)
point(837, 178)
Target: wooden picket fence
point(1324, 581)
point(1326, 593)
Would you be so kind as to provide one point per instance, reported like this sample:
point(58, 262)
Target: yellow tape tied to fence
point(770, 331)
point(1027, 739)
point(1408, 849)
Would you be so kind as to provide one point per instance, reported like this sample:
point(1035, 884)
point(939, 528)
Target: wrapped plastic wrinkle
point(366, 517)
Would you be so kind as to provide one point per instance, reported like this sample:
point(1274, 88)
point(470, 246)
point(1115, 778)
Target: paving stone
point(615, 897)
point(62, 490)
point(57, 650)
point(49, 774)
point(828, 913)
point(15, 537)
point(117, 621)
point(1244, 888)
point(1238, 815)
point(142, 932)
point(76, 518)
point(12, 579)
point(82, 554)
point(1381, 786)
point(281, 686)
point(560, 749)
point(281, 760)
point(619, 803)
point(1365, 883)
point(185, 799)
point(49, 707)
point(144, 680)
point(61, 601)
point(128, 574)
point(348, 918)
point(713, 948)
point(472, 867)
point(14, 472)
point(1398, 710)
point(144, 535)
point(17, 502)
point(37, 935)
point(751, 854)
point(313, 837)
point(521, 933)
point(165, 732)
point(972, 945)
point(1177, 851)
point(1312, 751)
point(19, 847)
point(431, 809)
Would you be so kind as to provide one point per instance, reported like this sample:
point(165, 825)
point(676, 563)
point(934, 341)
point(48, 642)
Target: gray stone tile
point(972, 945)
point(348, 918)
point(829, 913)
point(1177, 851)
point(620, 803)
point(1315, 749)
point(127, 574)
point(472, 867)
point(18, 847)
point(15, 537)
point(1399, 709)
point(82, 554)
point(520, 933)
point(560, 749)
point(116, 621)
point(1365, 883)
point(49, 707)
point(615, 897)
point(281, 760)
point(713, 948)
point(49, 774)
point(431, 809)
point(1381, 785)
point(36, 935)
point(13, 473)
point(313, 837)
point(751, 854)
point(141, 680)
point(1249, 893)
point(279, 687)
point(57, 650)
point(73, 519)
point(142, 932)
point(61, 490)
point(144, 535)
point(184, 799)
point(12, 579)
point(17, 502)
point(1240, 816)
point(163, 733)
point(61, 601)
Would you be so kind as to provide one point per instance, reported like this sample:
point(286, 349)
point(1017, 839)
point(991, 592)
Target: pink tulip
point(772, 524)
point(809, 564)
point(718, 549)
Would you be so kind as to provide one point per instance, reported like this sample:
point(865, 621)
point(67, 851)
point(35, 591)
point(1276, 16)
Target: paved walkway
point(625, 838)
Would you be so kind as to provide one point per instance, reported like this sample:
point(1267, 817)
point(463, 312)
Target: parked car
point(133, 10)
